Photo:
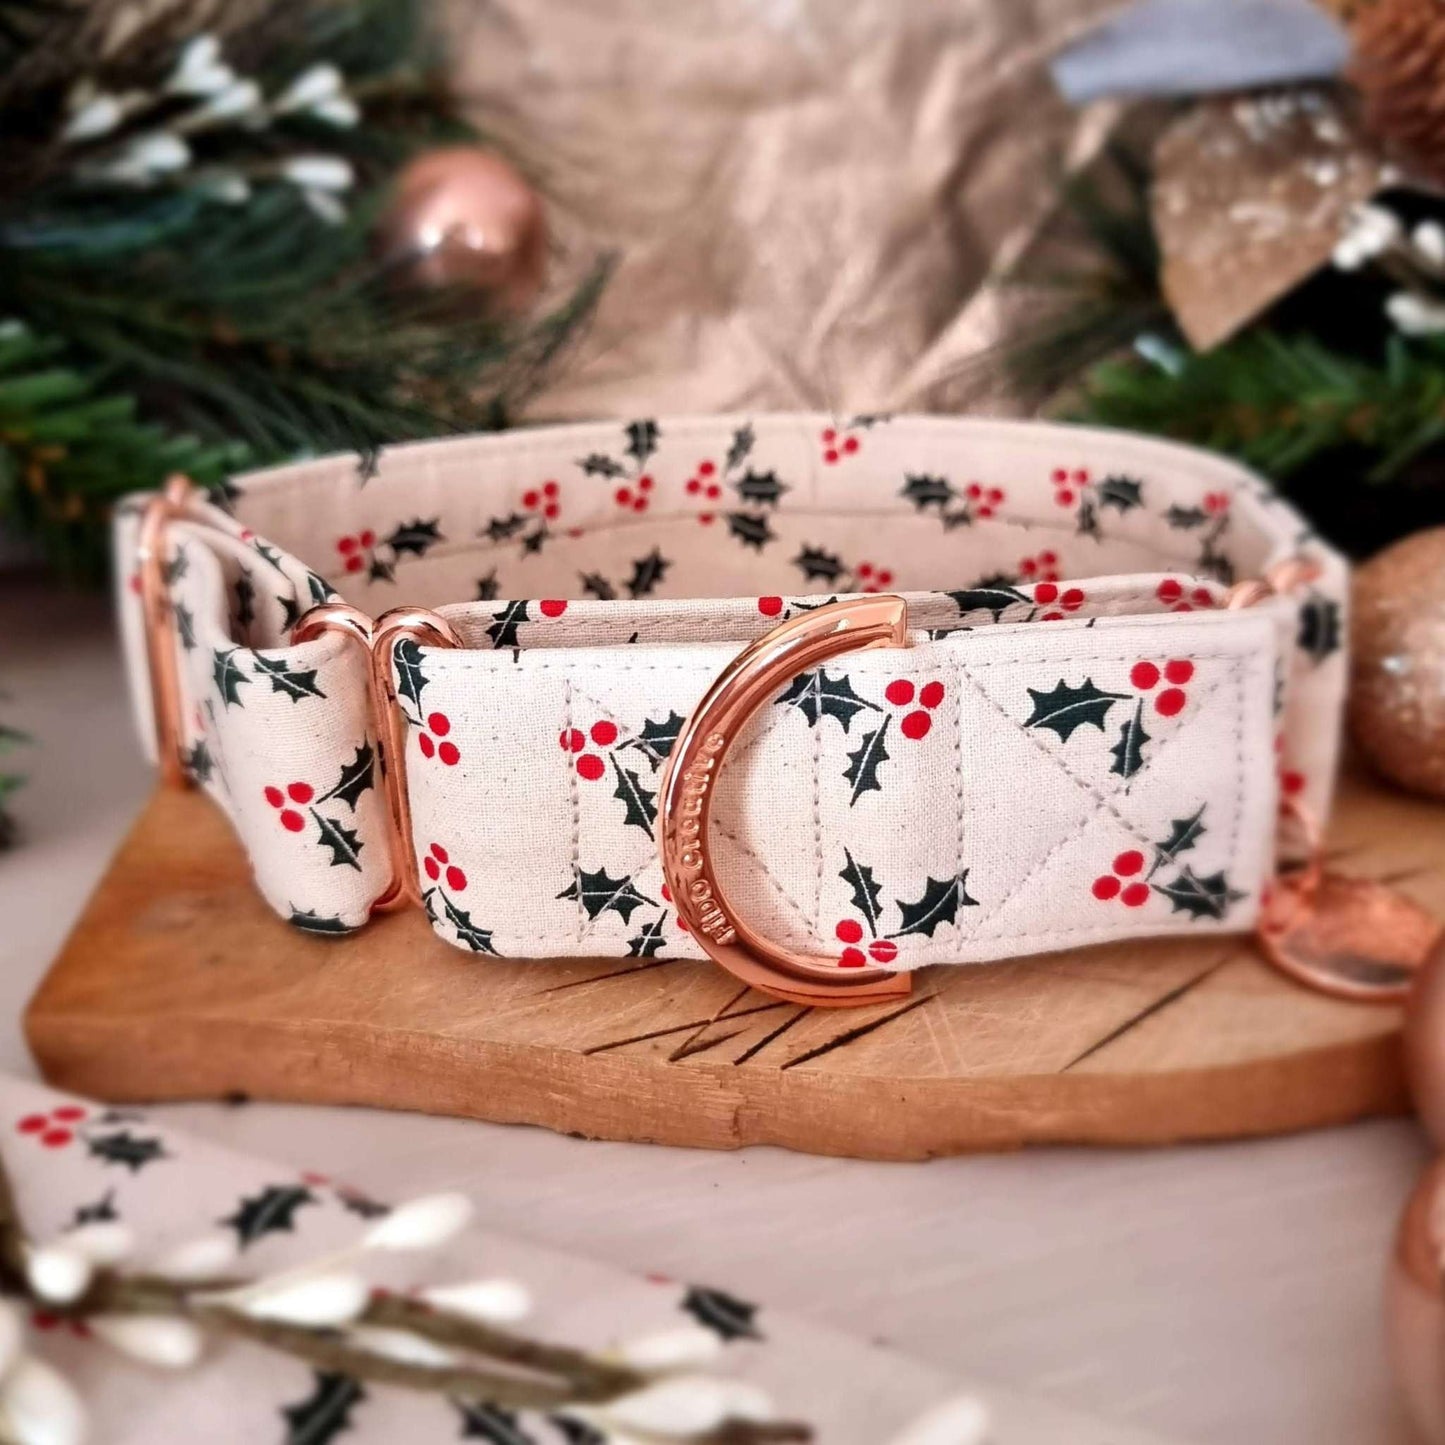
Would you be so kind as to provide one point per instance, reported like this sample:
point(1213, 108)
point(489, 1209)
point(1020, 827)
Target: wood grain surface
point(178, 983)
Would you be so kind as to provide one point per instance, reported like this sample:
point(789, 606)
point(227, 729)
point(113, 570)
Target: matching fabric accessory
point(1087, 737)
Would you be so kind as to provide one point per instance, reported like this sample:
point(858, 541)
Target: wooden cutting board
point(178, 983)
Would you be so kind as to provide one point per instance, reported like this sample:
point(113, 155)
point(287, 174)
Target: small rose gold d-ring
point(689, 785)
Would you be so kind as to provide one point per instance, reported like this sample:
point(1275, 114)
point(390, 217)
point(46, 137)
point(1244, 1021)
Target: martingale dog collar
point(823, 700)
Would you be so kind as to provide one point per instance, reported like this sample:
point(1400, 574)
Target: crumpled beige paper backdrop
point(806, 196)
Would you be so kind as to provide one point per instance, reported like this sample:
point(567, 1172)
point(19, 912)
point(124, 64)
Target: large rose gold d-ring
point(689, 784)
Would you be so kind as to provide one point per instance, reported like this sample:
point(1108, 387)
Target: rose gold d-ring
point(159, 620)
point(689, 785)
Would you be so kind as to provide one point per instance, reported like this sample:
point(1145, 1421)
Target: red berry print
point(884, 950)
point(770, 606)
point(852, 958)
point(899, 692)
point(1042, 567)
point(1216, 503)
point(604, 733)
point(1069, 485)
point(931, 695)
point(1169, 590)
point(49, 1130)
point(849, 931)
point(1179, 670)
point(438, 725)
point(1045, 593)
point(1109, 886)
point(1170, 702)
point(1291, 782)
point(915, 725)
point(1144, 675)
point(544, 499)
point(839, 442)
point(591, 767)
point(437, 866)
point(572, 740)
point(850, 445)
point(552, 607)
point(297, 792)
point(706, 469)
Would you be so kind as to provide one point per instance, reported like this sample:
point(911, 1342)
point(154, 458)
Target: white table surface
point(1224, 1293)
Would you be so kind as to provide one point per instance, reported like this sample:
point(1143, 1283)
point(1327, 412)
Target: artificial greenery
point(10, 738)
point(189, 269)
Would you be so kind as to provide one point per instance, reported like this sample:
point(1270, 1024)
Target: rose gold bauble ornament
point(1397, 687)
point(1415, 1305)
point(463, 216)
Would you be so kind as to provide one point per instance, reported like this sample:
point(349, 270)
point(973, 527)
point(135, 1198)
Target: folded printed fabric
point(1082, 743)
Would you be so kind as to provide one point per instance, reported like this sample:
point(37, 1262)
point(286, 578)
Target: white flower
point(422, 1224)
point(311, 88)
point(164, 1340)
point(199, 69)
point(147, 158)
point(402, 1345)
point(1416, 315)
point(239, 98)
point(1428, 238)
point(39, 1407)
point(201, 1258)
point(491, 1301)
point(678, 1407)
point(58, 1274)
point(1372, 231)
point(685, 1347)
point(319, 173)
point(316, 1301)
point(960, 1421)
point(96, 117)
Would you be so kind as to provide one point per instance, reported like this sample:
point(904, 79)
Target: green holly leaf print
point(647, 574)
point(245, 591)
point(594, 584)
point(640, 805)
point(818, 565)
point(657, 738)
point(488, 588)
point(649, 941)
point(863, 765)
point(867, 894)
point(762, 489)
point(321, 590)
point(1065, 708)
point(198, 761)
point(344, 844)
point(268, 554)
point(1185, 519)
point(272, 1211)
point(816, 695)
point(1121, 493)
point(600, 893)
point(751, 529)
point(990, 596)
point(325, 1413)
point(309, 922)
point(925, 491)
point(175, 567)
point(505, 623)
point(382, 569)
point(727, 1316)
point(410, 679)
point(356, 778)
point(1207, 897)
point(503, 529)
point(1319, 628)
point(228, 677)
point(1128, 752)
point(1088, 518)
point(290, 611)
point(471, 935)
point(1184, 833)
point(642, 440)
point(495, 1426)
point(599, 464)
point(416, 537)
point(295, 683)
point(741, 448)
point(942, 898)
point(185, 626)
point(124, 1148)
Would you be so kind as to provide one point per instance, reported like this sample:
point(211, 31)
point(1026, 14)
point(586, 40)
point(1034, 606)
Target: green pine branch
point(10, 738)
point(1278, 401)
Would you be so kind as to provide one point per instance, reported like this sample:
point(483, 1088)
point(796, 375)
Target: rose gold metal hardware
point(1351, 938)
point(158, 620)
point(1278, 581)
point(379, 638)
point(688, 789)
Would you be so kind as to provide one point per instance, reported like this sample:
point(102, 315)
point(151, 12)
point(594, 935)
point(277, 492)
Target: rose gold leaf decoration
point(1250, 195)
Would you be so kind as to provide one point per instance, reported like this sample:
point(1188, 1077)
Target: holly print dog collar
point(1061, 731)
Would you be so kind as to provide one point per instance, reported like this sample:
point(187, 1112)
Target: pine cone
point(1398, 66)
